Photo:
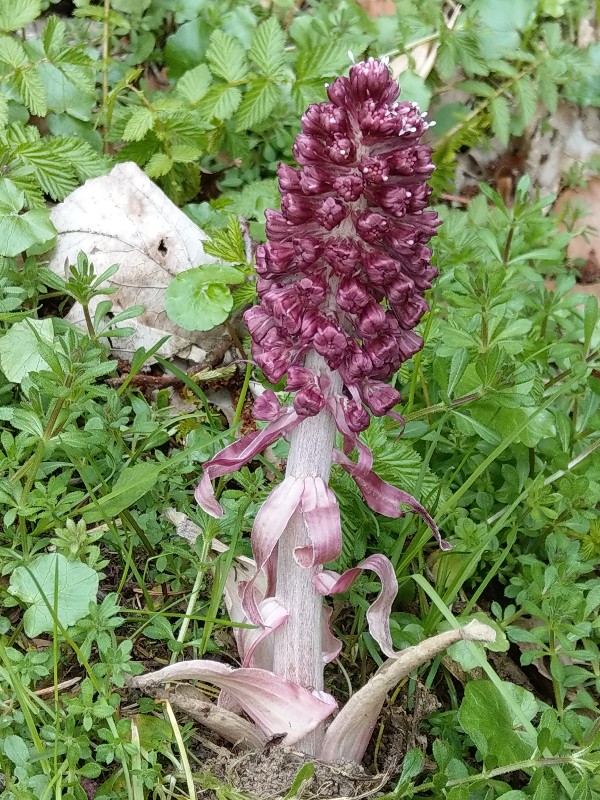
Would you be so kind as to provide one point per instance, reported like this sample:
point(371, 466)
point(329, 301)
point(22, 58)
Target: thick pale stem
point(297, 645)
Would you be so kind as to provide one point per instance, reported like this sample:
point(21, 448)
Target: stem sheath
point(297, 644)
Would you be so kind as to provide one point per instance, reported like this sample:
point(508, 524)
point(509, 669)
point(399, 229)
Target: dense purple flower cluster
point(346, 262)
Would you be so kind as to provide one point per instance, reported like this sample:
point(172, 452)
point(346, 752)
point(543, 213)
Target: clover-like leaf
point(52, 585)
point(199, 298)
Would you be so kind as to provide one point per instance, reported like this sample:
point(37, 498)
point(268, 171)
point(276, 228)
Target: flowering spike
point(346, 261)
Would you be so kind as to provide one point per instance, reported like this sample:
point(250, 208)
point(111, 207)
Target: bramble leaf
point(227, 57)
point(16, 14)
point(139, 123)
point(259, 101)
point(194, 84)
point(221, 101)
point(267, 50)
point(227, 244)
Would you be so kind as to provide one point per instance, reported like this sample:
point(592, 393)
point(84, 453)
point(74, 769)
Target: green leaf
point(159, 165)
point(397, 462)
point(66, 95)
point(486, 717)
point(65, 126)
point(267, 51)
point(153, 731)
point(19, 348)
point(15, 14)
point(186, 48)
point(478, 88)
point(259, 101)
point(221, 102)
point(465, 653)
point(227, 57)
point(67, 587)
point(20, 231)
point(23, 419)
point(554, 8)
point(199, 298)
point(500, 112)
point(585, 88)
point(3, 111)
point(526, 95)
point(414, 88)
point(501, 24)
point(228, 244)
point(322, 61)
point(12, 53)
point(59, 163)
point(547, 87)
point(305, 774)
point(459, 363)
point(194, 84)
point(590, 320)
point(306, 92)
point(31, 90)
point(131, 485)
point(139, 123)
point(458, 793)
point(53, 38)
point(16, 750)
point(412, 765)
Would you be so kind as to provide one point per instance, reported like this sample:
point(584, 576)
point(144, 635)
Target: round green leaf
point(51, 584)
point(199, 298)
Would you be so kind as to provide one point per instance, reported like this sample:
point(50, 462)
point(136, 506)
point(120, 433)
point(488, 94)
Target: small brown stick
point(60, 687)
point(455, 198)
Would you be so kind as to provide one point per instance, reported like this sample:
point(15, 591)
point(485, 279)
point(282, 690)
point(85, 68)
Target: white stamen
point(351, 56)
point(385, 177)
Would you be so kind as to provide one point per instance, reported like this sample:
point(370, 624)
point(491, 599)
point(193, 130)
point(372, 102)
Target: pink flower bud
point(298, 377)
point(356, 416)
point(309, 400)
point(266, 407)
point(371, 321)
point(343, 255)
point(380, 397)
point(330, 342)
point(352, 295)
